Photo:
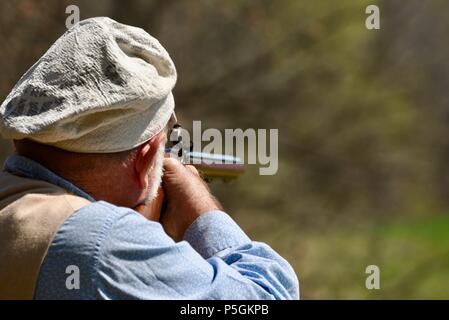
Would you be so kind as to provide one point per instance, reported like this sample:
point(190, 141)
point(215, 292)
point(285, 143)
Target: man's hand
point(187, 197)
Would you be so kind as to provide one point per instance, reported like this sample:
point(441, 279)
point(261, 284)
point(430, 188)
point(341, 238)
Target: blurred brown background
point(363, 122)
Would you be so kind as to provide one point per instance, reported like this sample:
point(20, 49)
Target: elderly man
point(81, 199)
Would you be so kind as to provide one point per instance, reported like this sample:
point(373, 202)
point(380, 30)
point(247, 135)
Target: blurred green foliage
point(362, 118)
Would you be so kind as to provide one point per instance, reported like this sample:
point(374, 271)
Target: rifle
point(210, 166)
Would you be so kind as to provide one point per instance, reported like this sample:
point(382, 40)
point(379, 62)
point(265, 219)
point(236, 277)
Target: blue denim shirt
point(107, 252)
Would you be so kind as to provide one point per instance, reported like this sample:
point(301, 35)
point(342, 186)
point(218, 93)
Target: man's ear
point(145, 158)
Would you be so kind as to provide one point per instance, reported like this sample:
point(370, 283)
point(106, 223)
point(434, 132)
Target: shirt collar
point(16, 164)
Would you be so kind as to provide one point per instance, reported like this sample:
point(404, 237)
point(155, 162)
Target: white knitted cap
point(101, 87)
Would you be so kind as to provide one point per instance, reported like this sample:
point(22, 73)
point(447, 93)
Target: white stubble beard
point(156, 174)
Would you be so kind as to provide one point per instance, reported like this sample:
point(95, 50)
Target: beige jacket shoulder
point(31, 212)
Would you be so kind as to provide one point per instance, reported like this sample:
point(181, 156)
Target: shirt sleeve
point(135, 259)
